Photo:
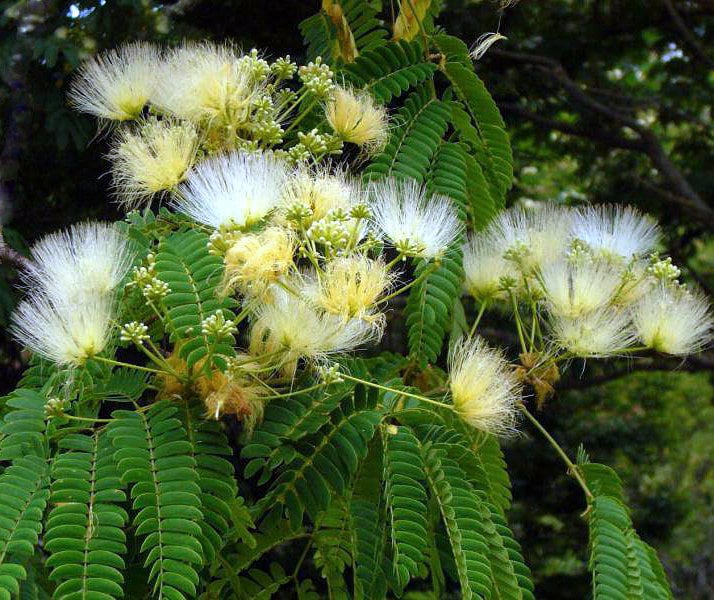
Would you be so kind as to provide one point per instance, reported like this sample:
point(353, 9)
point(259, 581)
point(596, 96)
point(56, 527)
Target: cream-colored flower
point(356, 118)
point(532, 237)
point(255, 260)
point(600, 333)
point(351, 286)
point(673, 320)
point(235, 190)
point(484, 267)
point(208, 84)
point(117, 84)
point(616, 232)
point(416, 223)
point(87, 260)
point(483, 387)
point(151, 159)
point(311, 195)
point(575, 288)
point(66, 333)
point(291, 328)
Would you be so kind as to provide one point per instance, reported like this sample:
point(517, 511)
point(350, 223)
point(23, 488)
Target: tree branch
point(687, 34)
point(648, 143)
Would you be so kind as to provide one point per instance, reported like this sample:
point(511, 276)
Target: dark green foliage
point(193, 275)
point(389, 70)
point(85, 529)
point(23, 430)
point(153, 456)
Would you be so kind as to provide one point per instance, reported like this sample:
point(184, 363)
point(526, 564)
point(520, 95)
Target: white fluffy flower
point(484, 266)
point(87, 260)
point(65, 333)
point(483, 387)
point(673, 320)
point(600, 333)
point(233, 190)
point(575, 288)
point(414, 223)
point(532, 237)
point(117, 84)
point(293, 327)
point(615, 232)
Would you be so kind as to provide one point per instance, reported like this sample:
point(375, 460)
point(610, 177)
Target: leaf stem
point(484, 304)
point(118, 363)
point(384, 388)
point(573, 469)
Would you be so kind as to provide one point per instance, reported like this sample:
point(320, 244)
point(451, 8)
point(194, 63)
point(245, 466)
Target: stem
point(384, 388)
point(296, 392)
point(118, 363)
point(301, 116)
point(391, 263)
point(478, 318)
point(517, 317)
point(412, 283)
point(85, 419)
point(573, 469)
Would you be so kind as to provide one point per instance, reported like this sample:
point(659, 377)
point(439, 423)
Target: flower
point(87, 260)
point(67, 333)
point(575, 288)
point(602, 332)
point(117, 84)
point(292, 327)
point(311, 195)
point(208, 84)
point(355, 118)
point(256, 260)
point(351, 286)
point(615, 232)
point(483, 387)
point(240, 397)
point(153, 158)
point(673, 320)
point(532, 237)
point(484, 266)
point(415, 224)
point(233, 190)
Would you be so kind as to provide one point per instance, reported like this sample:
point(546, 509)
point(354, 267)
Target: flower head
point(67, 333)
point(209, 84)
point(615, 232)
point(87, 260)
point(484, 266)
point(255, 260)
point(602, 332)
point(117, 84)
point(233, 190)
point(351, 286)
point(575, 288)
point(673, 320)
point(292, 327)
point(483, 387)
point(310, 195)
point(532, 237)
point(151, 159)
point(355, 118)
point(417, 225)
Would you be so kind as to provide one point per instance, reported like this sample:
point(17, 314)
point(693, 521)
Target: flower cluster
point(203, 99)
point(590, 277)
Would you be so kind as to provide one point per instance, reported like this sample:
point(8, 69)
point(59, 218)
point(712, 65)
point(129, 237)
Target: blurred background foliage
point(606, 101)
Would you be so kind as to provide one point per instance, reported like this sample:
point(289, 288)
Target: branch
point(10, 256)
point(687, 34)
point(648, 144)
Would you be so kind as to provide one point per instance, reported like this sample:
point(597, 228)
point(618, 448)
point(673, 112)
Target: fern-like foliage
point(23, 429)
point(85, 529)
point(389, 70)
point(623, 566)
point(216, 479)
point(324, 463)
point(24, 492)
point(193, 275)
point(405, 500)
point(463, 517)
point(154, 456)
point(420, 126)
